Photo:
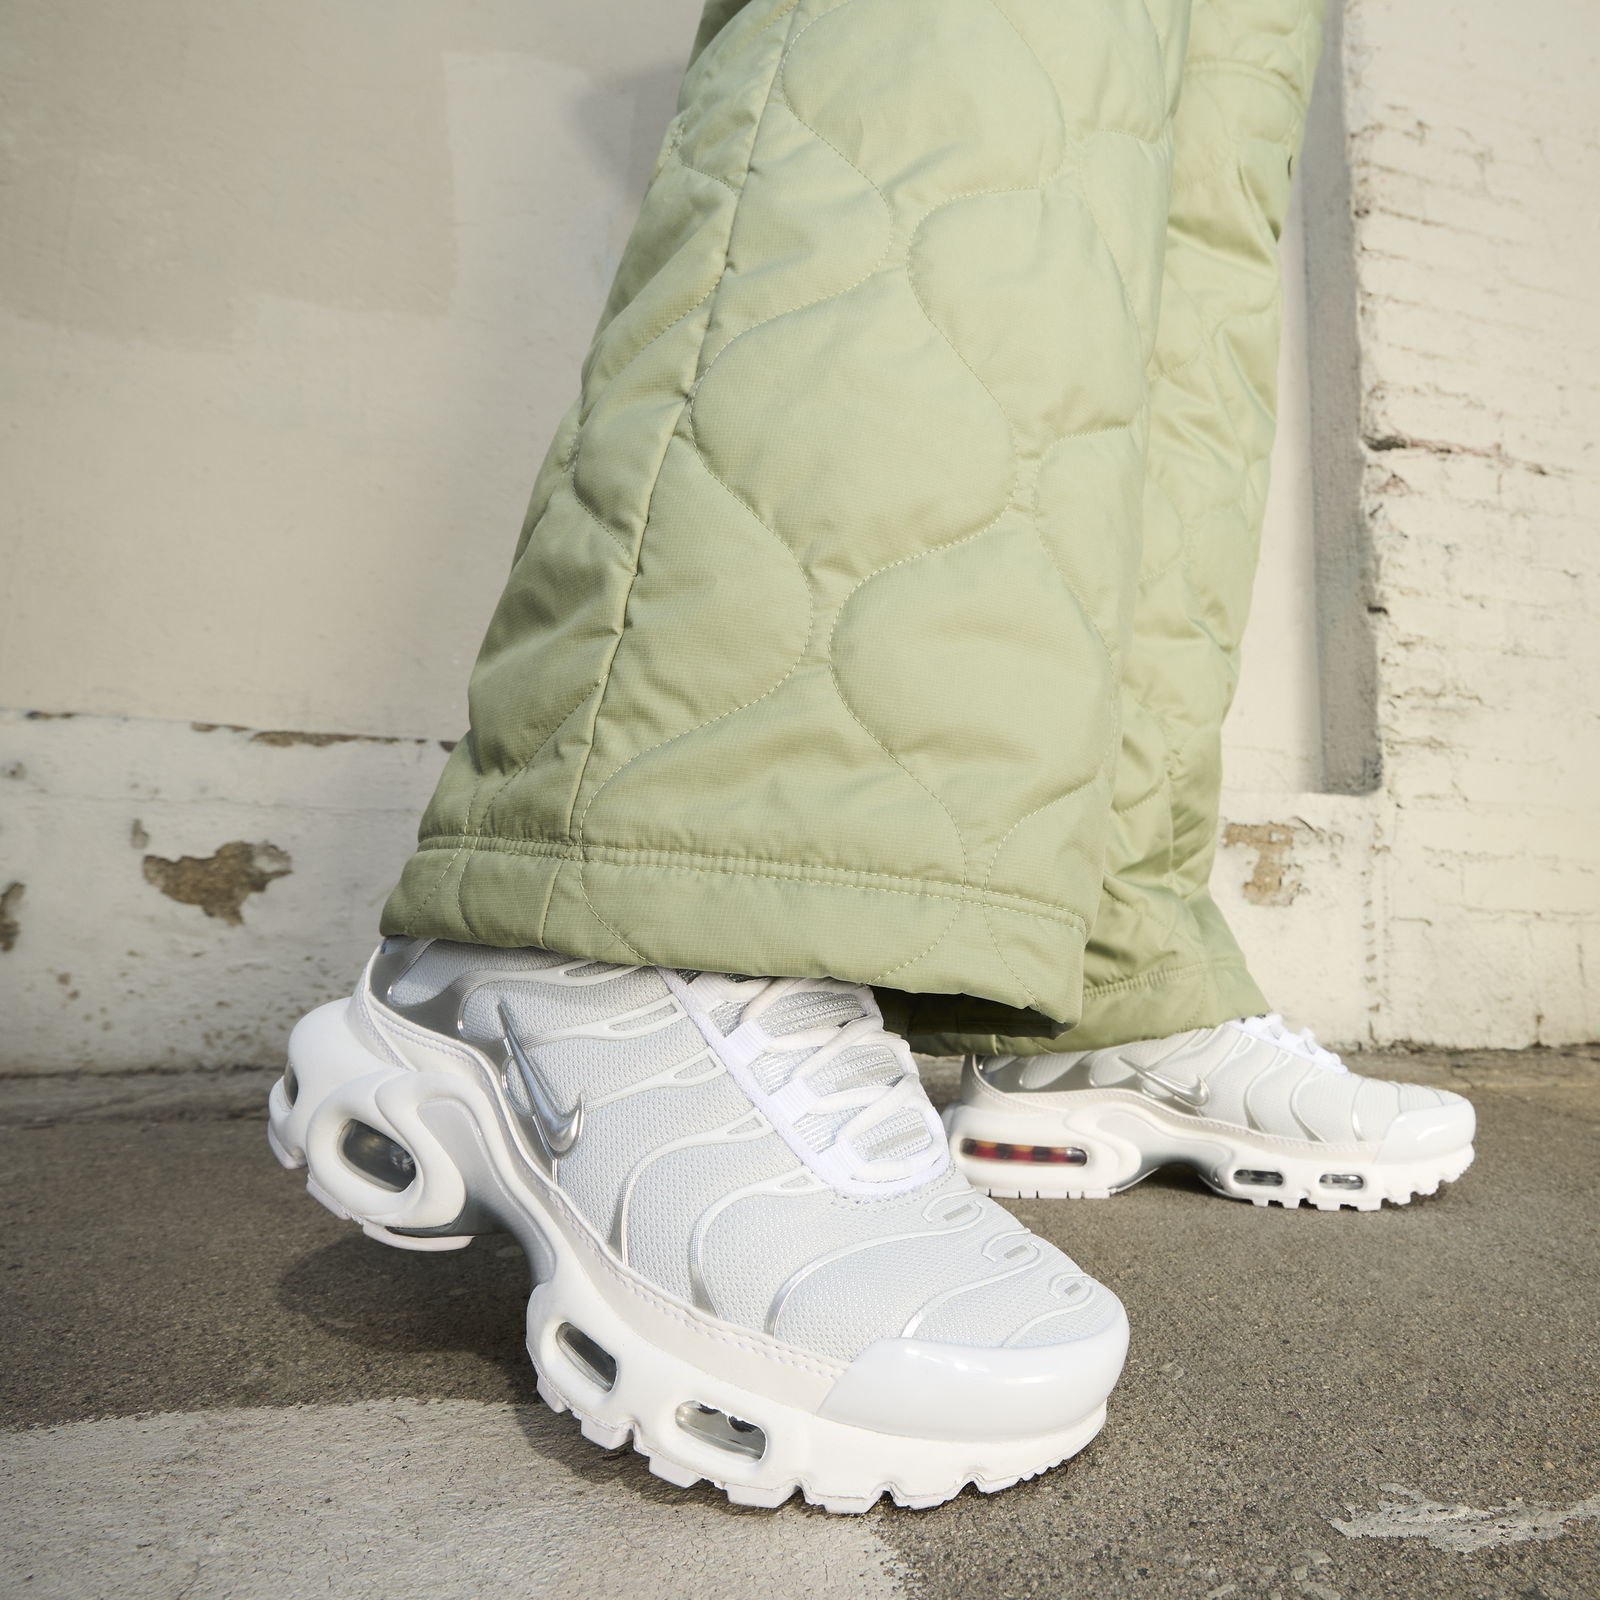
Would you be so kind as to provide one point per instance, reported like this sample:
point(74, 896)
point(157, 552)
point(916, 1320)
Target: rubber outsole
point(1120, 1141)
point(612, 1436)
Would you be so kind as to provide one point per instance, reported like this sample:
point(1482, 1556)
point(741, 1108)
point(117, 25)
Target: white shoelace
point(870, 1106)
point(1274, 1030)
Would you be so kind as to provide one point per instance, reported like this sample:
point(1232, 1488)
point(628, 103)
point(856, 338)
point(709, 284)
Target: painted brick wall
point(1475, 173)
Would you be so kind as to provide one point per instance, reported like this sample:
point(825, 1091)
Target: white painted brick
point(1470, 976)
point(1552, 837)
point(1475, 159)
point(1423, 772)
point(1543, 888)
point(1564, 992)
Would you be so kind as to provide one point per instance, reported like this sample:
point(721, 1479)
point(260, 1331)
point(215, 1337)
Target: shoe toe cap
point(926, 1388)
point(1427, 1131)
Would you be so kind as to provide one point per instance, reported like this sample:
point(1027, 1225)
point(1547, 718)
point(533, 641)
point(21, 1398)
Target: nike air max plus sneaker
point(1260, 1112)
point(752, 1254)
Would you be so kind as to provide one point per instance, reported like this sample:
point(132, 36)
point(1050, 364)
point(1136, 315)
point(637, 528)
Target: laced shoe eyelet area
point(876, 1137)
point(1303, 1043)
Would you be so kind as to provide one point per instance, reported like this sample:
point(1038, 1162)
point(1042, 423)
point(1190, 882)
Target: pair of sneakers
point(758, 1255)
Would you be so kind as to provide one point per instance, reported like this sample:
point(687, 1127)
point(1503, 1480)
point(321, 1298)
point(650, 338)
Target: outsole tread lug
point(844, 1505)
point(994, 1486)
point(743, 1494)
point(604, 1434)
point(673, 1472)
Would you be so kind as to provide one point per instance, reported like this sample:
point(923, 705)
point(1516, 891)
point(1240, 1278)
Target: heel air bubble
point(1342, 1180)
point(1043, 1155)
point(378, 1157)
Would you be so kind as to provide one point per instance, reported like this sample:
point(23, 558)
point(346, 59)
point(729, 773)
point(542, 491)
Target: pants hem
point(1020, 958)
point(1150, 1005)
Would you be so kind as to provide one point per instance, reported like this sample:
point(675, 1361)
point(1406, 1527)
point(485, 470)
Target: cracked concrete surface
point(215, 1389)
point(1404, 1514)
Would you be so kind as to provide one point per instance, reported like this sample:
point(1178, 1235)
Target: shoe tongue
point(873, 1063)
point(902, 1135)
point(870, 1063)
point(817, 1008)
point(810, 1008)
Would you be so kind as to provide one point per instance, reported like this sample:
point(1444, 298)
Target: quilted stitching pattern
point(1160, 957)
point(809, 660)
point(830, 538)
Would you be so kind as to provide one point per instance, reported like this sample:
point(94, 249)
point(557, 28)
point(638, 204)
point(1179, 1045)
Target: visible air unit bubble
point(377, 1156)
point(1043, 1155)
point(1260, 1180)
point(291, 1085)
point(598, 1363)
point(1342, 1180)
point(725, 1432)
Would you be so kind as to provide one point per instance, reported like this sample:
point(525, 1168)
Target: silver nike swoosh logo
point(1189, 1094)
point(558, 1130)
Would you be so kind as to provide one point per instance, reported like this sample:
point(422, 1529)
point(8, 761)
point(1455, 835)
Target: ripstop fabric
point(879, 599)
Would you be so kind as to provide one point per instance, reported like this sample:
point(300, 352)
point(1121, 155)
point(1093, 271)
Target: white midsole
point(1125, 1138)
point(454, 1123)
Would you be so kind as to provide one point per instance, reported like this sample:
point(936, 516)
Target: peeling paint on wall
point(219, 884)
point(1272, 882)
point(9, 926)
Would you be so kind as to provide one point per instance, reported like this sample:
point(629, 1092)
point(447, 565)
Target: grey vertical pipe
point(1345, 596)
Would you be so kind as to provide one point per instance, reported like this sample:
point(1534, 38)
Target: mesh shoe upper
point(758, 1148)
point(1253, 1072)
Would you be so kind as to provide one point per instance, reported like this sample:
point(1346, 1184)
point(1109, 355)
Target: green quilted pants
point(879, 600)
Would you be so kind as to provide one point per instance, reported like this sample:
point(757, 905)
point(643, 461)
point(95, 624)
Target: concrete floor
point(214, 1389)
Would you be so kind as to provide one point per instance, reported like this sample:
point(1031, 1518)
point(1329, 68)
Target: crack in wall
point(1382, 442)
point(289, 738)
point(10, 928)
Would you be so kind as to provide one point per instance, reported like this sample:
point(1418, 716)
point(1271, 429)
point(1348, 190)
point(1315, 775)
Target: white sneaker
point(751, 1252)
point(1260, 1112)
